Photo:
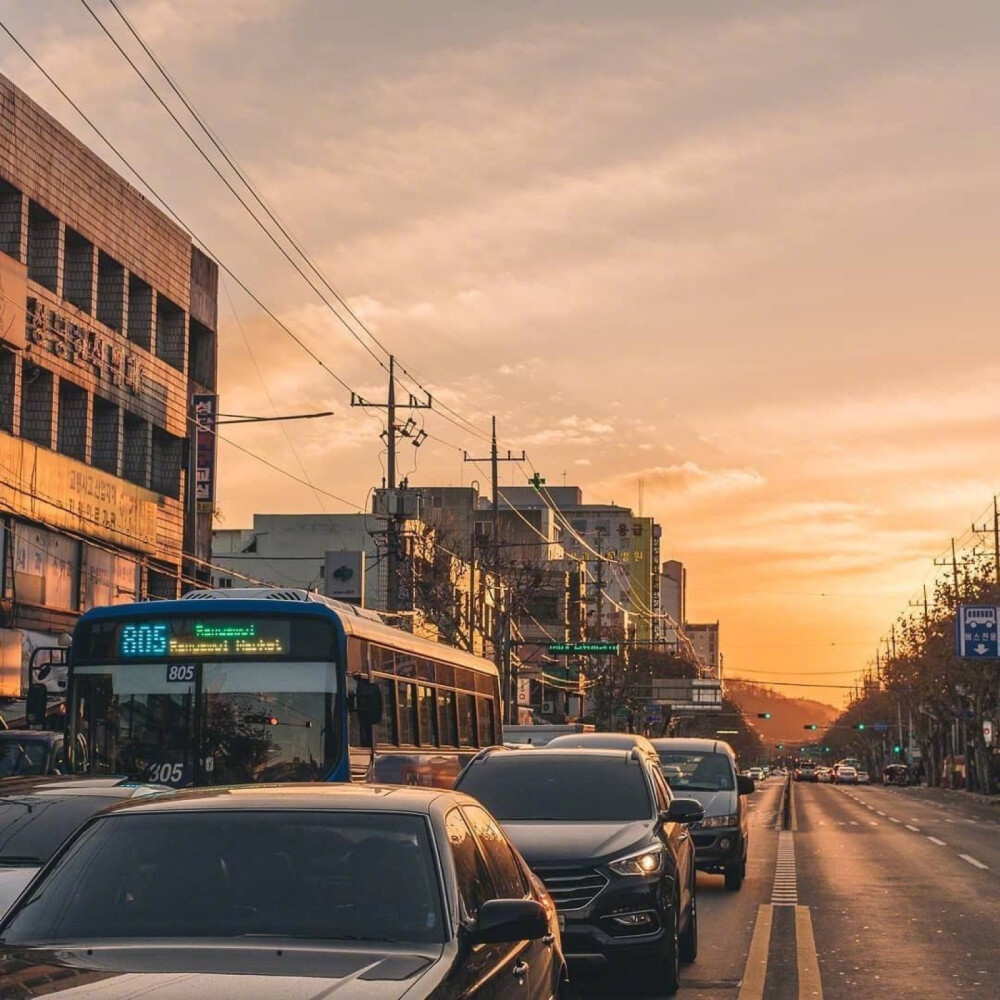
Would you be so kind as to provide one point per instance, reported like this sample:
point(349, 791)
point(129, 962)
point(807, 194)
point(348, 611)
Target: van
point(706, 770)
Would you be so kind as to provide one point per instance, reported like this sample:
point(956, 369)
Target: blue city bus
point(260, 685)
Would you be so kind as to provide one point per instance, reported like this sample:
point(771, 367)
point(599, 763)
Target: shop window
point(135, 450)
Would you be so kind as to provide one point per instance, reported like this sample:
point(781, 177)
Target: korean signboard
point(206, 412)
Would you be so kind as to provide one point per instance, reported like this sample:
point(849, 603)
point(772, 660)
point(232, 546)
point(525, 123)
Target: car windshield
point(21, 756)
point(240, 874)
point(563, 788)
point(33, 826)
point(695, 771)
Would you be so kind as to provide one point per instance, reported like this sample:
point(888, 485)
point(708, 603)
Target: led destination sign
point(196, 639)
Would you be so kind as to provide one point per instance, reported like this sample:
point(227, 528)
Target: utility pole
point(501, 618)
point(395, 509)
point(995, 532)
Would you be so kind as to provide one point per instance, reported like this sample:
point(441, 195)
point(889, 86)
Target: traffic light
point(897, 748)
point(859, 726)
point(781, 746)
point(270, 720)
point(763, 715)
point(810, 725)
point(826, 749)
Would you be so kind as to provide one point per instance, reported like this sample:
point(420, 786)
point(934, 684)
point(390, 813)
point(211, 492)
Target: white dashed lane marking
point(913, 828)
point(974, 862)
point(934, 840)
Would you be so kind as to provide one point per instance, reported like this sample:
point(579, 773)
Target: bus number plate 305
point(180, 673)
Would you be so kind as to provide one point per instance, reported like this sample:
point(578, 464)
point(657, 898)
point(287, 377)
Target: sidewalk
point(959, 793)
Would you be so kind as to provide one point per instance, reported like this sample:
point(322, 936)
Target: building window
point(140, 312)
point(110, 291)
point(46, 568)
point(168, 452)
point(78, 271)
point(135, 450)
point(202, 352)
point(106, 436)
point(43, 247)
point(72, 436)
point(10, 220)
point(170, 330)
point(162, 582)
point(36, 405)
point(8, 369)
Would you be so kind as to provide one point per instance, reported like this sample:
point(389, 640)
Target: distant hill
point(788, 715)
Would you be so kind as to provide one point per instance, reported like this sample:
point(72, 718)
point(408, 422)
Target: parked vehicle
point(32, 751)
point(706, 771)
point(315, 889)
point(864, 778)
point(603, 831)
point(896, 774)
point(38, 814)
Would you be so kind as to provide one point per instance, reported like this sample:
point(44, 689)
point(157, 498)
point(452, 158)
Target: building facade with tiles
point(108, 320)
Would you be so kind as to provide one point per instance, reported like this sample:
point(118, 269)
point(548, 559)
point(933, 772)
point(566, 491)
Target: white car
point(844, 774)
point(756, 773)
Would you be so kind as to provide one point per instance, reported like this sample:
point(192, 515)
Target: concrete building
point(108, 319)
point(704, 639)
point(673, 590)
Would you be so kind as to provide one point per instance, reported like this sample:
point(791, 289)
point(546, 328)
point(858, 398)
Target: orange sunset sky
point(742, 252)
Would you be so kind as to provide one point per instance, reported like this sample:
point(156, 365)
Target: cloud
point(687, 480)
point(571, 431)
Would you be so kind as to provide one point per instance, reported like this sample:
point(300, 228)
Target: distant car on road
point(824, 774)
point(756, 773)
point(896, 774)
point(292, 891)
point(845, 774)
point(31, 751)
point(864, 778)
point(806, 771)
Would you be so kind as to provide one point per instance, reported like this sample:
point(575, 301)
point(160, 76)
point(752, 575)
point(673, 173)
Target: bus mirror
point(368, 702)
point(37, 704)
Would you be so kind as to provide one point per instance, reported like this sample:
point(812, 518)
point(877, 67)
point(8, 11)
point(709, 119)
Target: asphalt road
point(873, 892)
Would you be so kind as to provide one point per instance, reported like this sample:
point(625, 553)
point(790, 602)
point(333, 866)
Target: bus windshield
point(189, 711)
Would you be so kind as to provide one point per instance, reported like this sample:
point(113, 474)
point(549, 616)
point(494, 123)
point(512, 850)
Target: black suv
point(603, 831)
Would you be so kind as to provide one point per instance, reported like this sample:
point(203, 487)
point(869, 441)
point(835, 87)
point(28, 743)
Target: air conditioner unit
point(548, 708)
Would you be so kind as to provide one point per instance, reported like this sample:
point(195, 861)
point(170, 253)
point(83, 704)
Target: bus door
point(140, 719)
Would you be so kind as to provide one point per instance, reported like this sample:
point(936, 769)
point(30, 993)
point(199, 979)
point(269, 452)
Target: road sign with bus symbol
point(977, 631)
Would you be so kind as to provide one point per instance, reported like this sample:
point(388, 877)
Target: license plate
point(562, 921)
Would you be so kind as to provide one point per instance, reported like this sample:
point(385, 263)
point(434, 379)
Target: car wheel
point(735, 874)
point(662, 972)
point(687, 940)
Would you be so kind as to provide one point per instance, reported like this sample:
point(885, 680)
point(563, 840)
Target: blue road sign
point(880, 727)
point(977, 631)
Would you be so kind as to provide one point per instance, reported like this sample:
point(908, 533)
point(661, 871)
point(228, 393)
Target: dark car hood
point(544, 843)
point(202, 970)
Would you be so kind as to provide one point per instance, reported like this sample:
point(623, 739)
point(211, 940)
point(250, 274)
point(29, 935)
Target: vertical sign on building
point(206, 407)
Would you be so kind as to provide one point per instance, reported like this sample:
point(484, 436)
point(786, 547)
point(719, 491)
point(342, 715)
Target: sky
point(742, 254)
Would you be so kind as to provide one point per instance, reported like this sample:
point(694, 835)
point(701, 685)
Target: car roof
point(305, 796)
point(693, 745)
point(52, 785)
point(604, 741)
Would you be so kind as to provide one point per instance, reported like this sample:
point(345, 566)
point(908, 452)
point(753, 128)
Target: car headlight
point(648, 861)
point(730, 819)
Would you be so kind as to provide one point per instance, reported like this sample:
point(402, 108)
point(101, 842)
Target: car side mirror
point(683, 811)
point(744, 785)
point(504, 921)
